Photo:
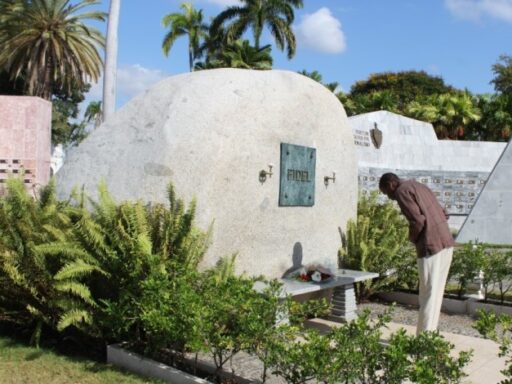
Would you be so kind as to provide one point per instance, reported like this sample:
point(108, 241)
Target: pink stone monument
point(25, 140)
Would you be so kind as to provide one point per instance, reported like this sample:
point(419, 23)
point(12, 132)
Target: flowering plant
point(313, 272)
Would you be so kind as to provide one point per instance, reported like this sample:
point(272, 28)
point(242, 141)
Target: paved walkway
point(484, 367)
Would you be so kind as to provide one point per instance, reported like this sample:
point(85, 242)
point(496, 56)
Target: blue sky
point(345, 40)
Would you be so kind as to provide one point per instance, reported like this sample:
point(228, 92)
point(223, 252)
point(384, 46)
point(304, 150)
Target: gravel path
point(460, 324)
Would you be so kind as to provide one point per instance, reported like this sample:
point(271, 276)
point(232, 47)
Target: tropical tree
point(212, 46)
point(46, 43)
point(449, 113)
point(496, 121)
point(189, 23)
point(66, 127)
point(503, 74)
point(240, 54)
point(110, 74)
point(406, 86)
point(315, 75)
point(93, 113)
point(277, 15)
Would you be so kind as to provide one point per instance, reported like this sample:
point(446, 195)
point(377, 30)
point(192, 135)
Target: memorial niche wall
point(456, 191)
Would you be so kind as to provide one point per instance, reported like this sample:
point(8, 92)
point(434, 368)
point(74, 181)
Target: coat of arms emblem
point(376, 135)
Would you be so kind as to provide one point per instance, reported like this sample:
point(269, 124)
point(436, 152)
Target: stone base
point(343, 304)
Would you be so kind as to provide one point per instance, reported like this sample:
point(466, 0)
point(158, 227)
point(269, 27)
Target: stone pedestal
point(343, 304)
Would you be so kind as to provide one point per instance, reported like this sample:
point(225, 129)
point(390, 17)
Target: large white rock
point(211, 133)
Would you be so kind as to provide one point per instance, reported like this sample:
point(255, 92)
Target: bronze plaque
point(297, 176)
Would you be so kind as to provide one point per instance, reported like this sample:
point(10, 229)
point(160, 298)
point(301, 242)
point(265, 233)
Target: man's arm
point(411, 211)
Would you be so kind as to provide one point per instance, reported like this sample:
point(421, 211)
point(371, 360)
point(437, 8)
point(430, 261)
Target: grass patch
point(22, 364)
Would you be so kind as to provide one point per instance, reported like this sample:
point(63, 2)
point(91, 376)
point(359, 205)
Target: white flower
point(316, 276)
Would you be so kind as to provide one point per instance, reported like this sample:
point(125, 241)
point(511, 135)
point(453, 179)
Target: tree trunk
point(110, 73)
point(191, 57)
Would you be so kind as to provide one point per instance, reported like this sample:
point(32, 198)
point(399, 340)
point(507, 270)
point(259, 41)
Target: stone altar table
point(343, 297)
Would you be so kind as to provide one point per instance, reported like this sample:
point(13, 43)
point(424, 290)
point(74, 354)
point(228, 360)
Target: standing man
point(429, 231)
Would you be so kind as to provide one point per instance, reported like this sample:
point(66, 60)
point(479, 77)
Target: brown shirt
point(428, 227)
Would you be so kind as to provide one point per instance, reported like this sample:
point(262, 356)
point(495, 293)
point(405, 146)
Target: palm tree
point(94, 113)
point(317, 76)
point(189, 23)
point(449, 113)
point(47, 43)
point(110, 74)
point(240, 54)
point(277, 15)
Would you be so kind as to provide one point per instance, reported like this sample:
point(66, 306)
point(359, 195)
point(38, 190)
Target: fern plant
point(42, 268)
point(128, 239)
point(378, 242)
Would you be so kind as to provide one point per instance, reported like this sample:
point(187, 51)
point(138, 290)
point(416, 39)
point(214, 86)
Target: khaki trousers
point(433, 272)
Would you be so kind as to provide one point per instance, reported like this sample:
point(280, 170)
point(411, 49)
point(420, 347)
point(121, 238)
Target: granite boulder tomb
point(269, 156)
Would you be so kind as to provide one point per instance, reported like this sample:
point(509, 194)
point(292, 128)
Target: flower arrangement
point(313, 272)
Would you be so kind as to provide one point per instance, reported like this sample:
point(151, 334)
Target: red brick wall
point(25, 139)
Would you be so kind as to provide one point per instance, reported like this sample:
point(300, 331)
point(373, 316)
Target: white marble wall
point(455, 170)
point(490, 221)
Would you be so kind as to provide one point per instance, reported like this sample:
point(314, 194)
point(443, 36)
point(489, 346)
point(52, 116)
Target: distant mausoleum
point(25, 140)
point(455, 170)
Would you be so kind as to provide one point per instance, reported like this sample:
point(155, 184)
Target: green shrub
point(499, 329)
point(298, 355)
point(353, 353)
point(497, 271)
point(171, 312)
point(466, 265)
point(42, 267)
point(135, 244)
point(378, 242)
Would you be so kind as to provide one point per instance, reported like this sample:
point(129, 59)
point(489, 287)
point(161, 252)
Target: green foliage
point(230, 308)
point(47, 44)
point(188, 23)
point(239, 54)
point(449, 113)
point(172, 311)
point(42, 269)
point(499, 329)
point(298, 360)
point(406, 86)
point(315, 75)
point(276, 15)
point(354, 353)
point(496, 121)
point(503, 75)
point(65, 128)
point(62, 265)
point(378, 242)
point(466, 264)
point(497, 271)
point(134, 243)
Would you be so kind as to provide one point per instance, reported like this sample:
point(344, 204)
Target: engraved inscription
point(297, 175)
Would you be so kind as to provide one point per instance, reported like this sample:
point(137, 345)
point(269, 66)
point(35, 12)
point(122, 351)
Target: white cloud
point(476, 9)
point(321, 31)
point(131, 81)
point(136, 79)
